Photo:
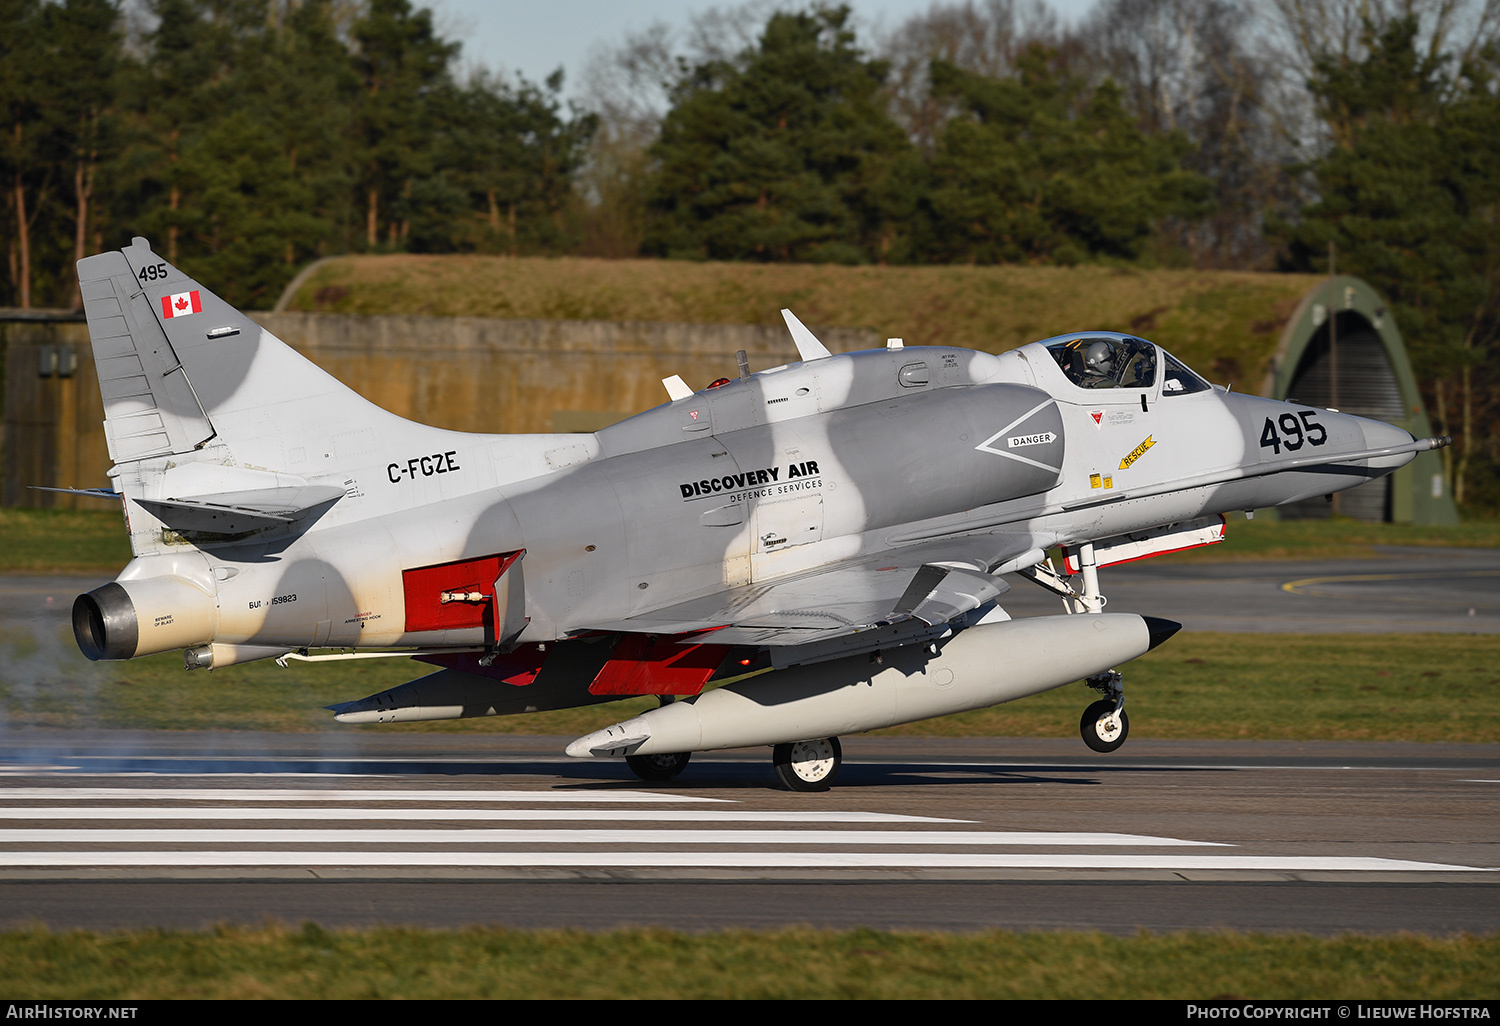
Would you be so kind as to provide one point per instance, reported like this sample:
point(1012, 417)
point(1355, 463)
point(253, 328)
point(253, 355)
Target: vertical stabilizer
point(219, 430)
point(149, 405)
point(183, 372)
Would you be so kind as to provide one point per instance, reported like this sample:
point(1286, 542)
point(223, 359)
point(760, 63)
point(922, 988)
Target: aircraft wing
point(897, 592)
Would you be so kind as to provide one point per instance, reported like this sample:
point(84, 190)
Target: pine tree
point(20, 127)
point(1410, 195)
point(1039, 167)
point(787, 153)
point(400, 62)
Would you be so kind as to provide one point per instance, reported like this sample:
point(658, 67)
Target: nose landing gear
point(1104, 725)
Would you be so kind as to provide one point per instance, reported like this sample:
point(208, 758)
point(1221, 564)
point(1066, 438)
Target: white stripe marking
point(230, 794)
point(481, 836)
point(782, 859)
point(985, 446)
point(135, 812)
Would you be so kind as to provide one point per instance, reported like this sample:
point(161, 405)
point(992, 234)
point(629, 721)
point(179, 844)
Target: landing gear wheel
point(658, 767)
point(1102, 728)
point(808, 765)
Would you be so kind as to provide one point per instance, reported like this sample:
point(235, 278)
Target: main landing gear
point(801, 766)
point(658, 768)
point(808, 765)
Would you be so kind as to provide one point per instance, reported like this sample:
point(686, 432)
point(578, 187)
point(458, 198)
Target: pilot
point(1099, 361)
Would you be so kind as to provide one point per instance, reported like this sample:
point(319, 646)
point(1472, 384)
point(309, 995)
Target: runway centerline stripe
point(134, 812)
point(759, 860)
point(231, 794)
point(481, 836)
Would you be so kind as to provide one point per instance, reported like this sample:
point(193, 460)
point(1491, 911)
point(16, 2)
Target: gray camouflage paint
point(807, 496)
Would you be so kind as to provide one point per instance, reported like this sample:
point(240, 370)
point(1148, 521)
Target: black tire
point(808, 765)
point(1097, 738)
point(658, 768)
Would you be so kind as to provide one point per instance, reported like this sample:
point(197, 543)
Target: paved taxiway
point(106, 830)
point(1406, 590)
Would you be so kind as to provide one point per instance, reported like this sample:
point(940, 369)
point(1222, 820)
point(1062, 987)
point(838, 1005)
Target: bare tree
point(630, 86)
point(1296, 34)
point(1191, 66)
point(984, 37)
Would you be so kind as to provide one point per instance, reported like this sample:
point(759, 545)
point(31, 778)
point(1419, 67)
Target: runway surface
point(106, 829)
point(187, 830)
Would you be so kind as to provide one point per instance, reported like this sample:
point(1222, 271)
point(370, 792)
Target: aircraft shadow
point(604, 775)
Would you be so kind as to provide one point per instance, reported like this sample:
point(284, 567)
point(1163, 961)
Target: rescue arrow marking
point(1136, 453)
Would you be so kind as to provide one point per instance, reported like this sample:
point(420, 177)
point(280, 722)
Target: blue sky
point(536, 37)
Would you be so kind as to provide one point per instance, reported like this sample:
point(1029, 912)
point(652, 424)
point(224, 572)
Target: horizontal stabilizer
point(238, 512)
point(96, 493)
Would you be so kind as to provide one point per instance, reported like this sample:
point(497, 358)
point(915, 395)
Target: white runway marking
point(479, 836)
point(715, 815)
point(779, 840)
point(247, 794)
point(755, 860)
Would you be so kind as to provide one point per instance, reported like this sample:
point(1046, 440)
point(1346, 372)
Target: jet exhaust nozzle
point(980, 667)
point(125, 619)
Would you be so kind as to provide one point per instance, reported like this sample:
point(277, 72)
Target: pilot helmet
point(1099, 358)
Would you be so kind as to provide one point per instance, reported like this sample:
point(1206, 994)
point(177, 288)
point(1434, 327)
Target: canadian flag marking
point(181, 304)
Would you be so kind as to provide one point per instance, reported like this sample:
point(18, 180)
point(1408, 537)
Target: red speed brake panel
point(424, 586)
point(642, 665)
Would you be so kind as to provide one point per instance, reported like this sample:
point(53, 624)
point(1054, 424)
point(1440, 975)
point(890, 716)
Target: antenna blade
point(808, 346)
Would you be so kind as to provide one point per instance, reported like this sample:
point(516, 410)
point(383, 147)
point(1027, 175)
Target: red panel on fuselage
point(424, 586)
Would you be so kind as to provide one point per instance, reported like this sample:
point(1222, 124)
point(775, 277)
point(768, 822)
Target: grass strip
point(1401, 687)
point(1224, 323)
point(60, 541)
point(491, 962)
point(1269, 538)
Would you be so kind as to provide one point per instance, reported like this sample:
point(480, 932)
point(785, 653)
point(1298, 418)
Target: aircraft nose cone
point(1160, 629)
point(1379, 434)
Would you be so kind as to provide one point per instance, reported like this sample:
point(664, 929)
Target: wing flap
point(873, 603)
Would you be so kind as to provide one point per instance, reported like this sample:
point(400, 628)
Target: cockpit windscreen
point(1178, 380)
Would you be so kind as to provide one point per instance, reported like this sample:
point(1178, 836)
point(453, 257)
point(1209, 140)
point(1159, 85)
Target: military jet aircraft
point(834, 532)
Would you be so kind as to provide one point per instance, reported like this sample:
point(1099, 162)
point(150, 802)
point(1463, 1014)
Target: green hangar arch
point(1374, 379)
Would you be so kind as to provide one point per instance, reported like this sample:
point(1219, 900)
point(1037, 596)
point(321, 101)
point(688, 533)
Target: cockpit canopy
point(1120, 361)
